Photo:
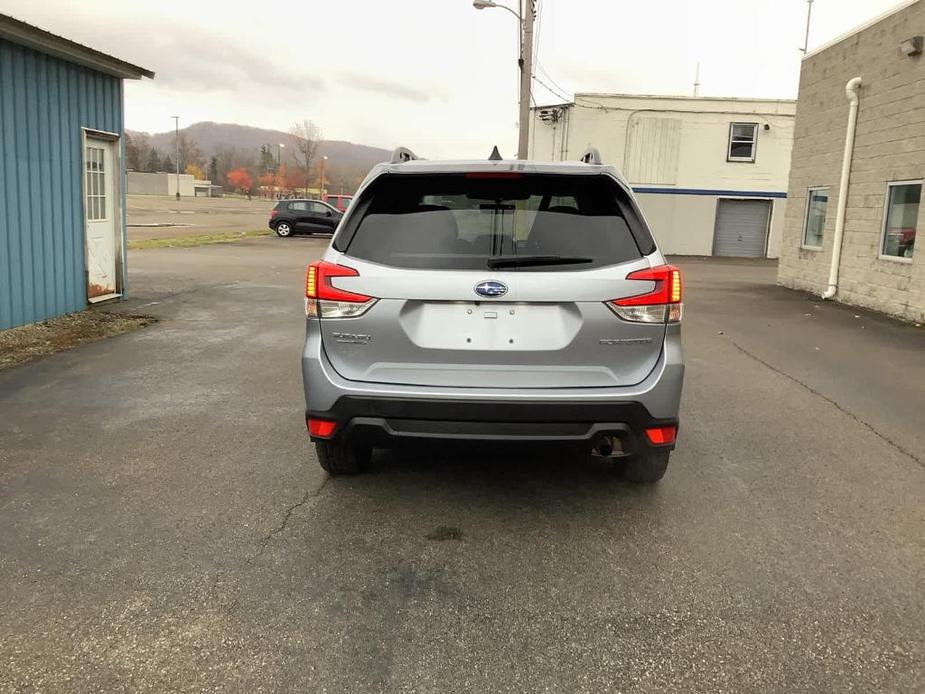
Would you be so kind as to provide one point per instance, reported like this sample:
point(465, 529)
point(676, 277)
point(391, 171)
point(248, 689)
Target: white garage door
point(741, 228)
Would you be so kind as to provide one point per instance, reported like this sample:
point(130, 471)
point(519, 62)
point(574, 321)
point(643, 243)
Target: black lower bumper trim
point(378, 420)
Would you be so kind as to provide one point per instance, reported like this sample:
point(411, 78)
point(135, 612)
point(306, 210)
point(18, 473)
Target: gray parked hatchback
point(494, 300)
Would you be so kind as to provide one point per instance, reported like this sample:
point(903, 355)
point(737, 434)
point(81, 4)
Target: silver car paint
point(357, 368)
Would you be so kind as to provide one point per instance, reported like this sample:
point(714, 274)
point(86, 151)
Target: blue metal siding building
point(52, 92)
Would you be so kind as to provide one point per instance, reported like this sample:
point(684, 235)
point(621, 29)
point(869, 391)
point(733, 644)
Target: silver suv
point(494, 300)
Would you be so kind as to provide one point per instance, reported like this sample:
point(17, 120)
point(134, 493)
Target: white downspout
point(851, 90)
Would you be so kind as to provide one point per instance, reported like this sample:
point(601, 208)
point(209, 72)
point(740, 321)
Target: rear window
point(460, 222)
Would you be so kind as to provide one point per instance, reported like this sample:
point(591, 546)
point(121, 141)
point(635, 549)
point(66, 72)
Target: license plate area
point(491, 326)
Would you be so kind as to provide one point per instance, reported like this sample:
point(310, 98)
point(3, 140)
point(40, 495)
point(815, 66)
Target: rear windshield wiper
point(534, 260)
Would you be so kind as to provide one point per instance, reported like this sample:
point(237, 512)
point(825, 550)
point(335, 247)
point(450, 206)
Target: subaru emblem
point(491, 288)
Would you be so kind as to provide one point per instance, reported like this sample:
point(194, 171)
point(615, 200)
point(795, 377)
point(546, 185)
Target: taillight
point(324, 300)
point(661, 305)
point(273, 213)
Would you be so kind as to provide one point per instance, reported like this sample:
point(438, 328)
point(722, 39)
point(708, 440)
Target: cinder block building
point(710, 173)
point(858, 166)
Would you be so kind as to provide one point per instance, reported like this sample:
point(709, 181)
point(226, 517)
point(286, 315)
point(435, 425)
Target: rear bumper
point(384, 420)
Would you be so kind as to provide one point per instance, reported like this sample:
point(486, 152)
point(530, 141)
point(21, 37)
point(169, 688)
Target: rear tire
point(342, 457)
point(646, 467)
point(284, 229)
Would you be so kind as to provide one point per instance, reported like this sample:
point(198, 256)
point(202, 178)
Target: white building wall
point(140, 183)
point(673, 152)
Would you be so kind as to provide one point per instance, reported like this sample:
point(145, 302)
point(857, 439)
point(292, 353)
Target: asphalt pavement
point(166, 527)
point(161, 216)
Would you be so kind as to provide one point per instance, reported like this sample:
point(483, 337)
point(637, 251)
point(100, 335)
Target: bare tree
point(189, 152)
point(137, 151)
point(307, 137)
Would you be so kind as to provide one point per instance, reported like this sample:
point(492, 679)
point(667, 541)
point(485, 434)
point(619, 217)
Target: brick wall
point(889, 146)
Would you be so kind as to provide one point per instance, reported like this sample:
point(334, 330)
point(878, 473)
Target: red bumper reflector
point(321, 427)
point(661, 435)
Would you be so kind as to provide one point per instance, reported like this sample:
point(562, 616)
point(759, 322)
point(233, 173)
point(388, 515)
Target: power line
point(551, 90)
point(549, 77)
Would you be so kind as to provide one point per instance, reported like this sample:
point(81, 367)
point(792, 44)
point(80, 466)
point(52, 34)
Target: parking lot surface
point(161, 216)
point(165, 526)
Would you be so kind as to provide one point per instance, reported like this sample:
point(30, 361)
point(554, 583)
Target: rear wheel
point(284, 229)
point(342, 457)
point(646, 467)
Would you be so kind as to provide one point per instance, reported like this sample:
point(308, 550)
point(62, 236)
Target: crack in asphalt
point(832, 402)
point(265, 541)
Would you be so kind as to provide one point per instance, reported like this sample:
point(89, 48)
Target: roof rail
point(591, 156)
point(402, 154)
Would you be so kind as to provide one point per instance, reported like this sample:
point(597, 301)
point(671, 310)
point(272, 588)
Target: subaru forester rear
point(498, 301)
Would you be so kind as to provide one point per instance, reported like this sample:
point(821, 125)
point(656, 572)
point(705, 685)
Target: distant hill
point(345, 159)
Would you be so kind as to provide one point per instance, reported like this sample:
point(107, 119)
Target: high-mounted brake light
point(660, 305)
point(324, 300)
point(493, 174)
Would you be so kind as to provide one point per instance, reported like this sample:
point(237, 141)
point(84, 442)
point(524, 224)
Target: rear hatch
point(489, 281)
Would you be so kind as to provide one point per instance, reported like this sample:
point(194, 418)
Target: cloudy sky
point(436, 75)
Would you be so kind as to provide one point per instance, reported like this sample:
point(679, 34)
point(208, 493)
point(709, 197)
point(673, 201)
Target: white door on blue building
point(102, 225)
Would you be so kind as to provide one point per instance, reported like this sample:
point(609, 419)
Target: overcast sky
point(436, 75)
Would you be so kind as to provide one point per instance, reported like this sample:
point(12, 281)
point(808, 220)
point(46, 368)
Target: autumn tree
point(267, 182)
point(189, 152)
point(307, 137)
point(295, 180)
point(239, 179)
point(194, 171)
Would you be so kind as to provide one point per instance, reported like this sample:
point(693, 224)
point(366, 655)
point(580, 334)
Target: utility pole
point(176, 120)
point(809, 15)
point(526, 14)
point(321, 189)
point(526, 79)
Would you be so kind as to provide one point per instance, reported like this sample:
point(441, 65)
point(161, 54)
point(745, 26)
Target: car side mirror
point(329, 213)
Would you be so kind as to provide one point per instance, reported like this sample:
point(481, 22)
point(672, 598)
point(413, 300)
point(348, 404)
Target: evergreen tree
point(154, 162)
point(213, 170)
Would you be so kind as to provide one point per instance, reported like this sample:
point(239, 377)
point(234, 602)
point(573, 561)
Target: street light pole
point(809, 16)
point(279, 158)
point(525, 62)
point(321, 190)
point(176, 120)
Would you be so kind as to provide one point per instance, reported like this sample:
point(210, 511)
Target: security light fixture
point(911, 46)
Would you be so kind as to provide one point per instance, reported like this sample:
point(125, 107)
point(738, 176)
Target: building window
point(96, 184)
point(816, 203)
point(742, 140)
point(900, 219)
